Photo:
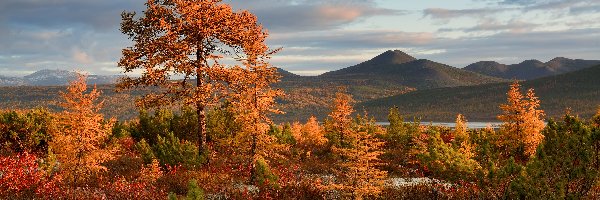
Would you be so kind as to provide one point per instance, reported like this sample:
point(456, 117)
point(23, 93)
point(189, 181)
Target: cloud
point(516, 47)
point(441, 13)
point(489, 24)
point(81, 57)
point(99, 15)
point(302, 16)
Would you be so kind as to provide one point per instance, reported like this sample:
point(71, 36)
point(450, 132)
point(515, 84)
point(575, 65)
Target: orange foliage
point(309, 136)
point(522, 123)
point(359, 173)
point(80, 145)
point(184, 38)
point(340, 120)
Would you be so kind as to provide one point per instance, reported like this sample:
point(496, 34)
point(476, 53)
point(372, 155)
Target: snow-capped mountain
point(48, 77)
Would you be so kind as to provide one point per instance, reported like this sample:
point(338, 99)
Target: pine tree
point(178, 45)
point(522, 123)
point(81, 143)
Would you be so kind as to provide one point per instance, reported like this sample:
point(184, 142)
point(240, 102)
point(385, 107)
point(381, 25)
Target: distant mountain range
point(419, 87)
point(530, 69)
point(397, 67)
point(47, 77)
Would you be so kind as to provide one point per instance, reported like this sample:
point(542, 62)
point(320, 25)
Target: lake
point(474, 125)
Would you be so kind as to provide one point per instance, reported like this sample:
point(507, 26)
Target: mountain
point(11, 81)
point(48, 77)
point(286, 74)
point(530, 69)
point(577, 90)
point(388, 74)
point(399, 68)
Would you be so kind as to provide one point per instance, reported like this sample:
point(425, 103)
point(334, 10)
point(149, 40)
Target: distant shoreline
point(473, 125)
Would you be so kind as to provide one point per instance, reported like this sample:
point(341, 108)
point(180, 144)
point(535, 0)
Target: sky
point(316, 35)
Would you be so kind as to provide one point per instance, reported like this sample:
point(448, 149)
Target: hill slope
point(530, 69)
point(578, 90)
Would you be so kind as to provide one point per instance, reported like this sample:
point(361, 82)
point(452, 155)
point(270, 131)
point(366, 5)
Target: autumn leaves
point(179, 46)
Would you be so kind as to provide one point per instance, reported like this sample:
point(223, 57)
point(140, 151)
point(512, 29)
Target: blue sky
point(316, 36)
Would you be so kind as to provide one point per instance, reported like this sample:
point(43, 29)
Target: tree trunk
point(254, 137)
point(201, 128)
point(201, 132)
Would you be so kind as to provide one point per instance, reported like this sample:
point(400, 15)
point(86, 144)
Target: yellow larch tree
point(253, 100)
point(340, 121)
point(81, 142)
point(178, 45)
point(462, 138)
point(523, 123)
point(309, 136)
point(359, 174)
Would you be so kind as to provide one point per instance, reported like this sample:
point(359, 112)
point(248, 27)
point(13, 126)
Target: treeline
point(79, 154)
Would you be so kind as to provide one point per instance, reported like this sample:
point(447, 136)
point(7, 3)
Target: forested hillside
point(578, 91)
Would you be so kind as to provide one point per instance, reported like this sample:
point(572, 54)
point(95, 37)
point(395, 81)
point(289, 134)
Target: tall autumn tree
point(523, 123)
point(177, 44)
point(254, 99)
point(81, 144)
point(339, 123)
point(359, 174)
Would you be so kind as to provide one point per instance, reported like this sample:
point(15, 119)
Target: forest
point(206, 130)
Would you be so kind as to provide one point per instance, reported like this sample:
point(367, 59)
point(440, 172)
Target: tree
point(309, 136)
point(460, 128)
point(359, 172)
point(254, 99)
point(461, 137)
point(564, 167)
point(26, 131)
point(81, 143)
point(176, 41)
point(522, 123)
point(339, 123)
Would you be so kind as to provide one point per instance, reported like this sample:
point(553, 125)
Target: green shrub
point(29, 131)
point(263, 175)
point(194, 192)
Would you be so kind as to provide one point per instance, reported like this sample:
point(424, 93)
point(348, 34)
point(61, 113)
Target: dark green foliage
point(194, 192)
point(263, 174)
point(564, 167)
point(26, 131)
point(399, 140)
point(283, 135)
point(145, 151)
point(149, 127)
point(444, 160)
point(220, 123)
point(169, 150)
point(172, 196)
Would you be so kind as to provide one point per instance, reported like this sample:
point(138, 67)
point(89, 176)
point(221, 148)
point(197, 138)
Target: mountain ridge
point(577, 90)
point(530, 69)
point(50, 77)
